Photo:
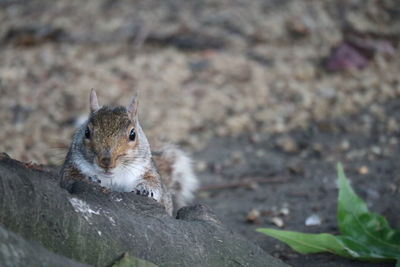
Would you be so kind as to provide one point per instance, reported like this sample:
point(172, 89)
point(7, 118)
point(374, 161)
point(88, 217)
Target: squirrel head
point(111, 134)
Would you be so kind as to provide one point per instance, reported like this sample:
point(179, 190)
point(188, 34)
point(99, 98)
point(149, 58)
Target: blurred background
point(267, 95)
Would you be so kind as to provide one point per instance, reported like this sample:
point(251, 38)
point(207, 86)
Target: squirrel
point(110, 148)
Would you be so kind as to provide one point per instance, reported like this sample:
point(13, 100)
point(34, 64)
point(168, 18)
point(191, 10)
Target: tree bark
point(15, 251)
point(97, 227)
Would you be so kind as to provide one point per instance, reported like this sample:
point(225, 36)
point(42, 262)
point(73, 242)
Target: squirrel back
point(110, 148)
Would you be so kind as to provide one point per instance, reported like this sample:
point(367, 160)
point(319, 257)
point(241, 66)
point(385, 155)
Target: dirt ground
point(300, 182)
point(253, 89)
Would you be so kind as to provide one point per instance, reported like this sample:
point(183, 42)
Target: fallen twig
point(245, 183)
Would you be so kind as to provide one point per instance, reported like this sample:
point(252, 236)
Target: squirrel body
point(110, 148)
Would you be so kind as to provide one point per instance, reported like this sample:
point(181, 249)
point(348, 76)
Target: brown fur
point(152, 177)
point(164, 167)
point(110, 134)
point(109, 145)
point(69, 176)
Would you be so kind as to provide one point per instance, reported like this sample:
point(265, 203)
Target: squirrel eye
point(87, 133)
point(132, 135)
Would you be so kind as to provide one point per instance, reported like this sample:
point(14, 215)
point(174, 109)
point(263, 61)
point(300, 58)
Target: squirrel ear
point(133, 107)
point(94, 103)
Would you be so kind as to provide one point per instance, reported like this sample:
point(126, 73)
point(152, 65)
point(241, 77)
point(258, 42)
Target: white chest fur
point(123, 178)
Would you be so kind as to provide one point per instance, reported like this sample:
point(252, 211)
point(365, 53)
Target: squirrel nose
point(105, 162)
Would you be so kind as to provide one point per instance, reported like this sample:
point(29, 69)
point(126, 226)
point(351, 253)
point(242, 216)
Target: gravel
point(251, 68)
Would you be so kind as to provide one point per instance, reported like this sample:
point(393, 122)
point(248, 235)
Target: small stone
point(217, 167)
point(392, 187)
point(345, 57)
point(237, 157)
point(313, 220)
point(392, 125)
point(297, 28)
point(376, 150)
point(317, 147)
point(295, 167)
point(363, 170)
point(278, 222)
point(222, 131)
point(284, 211)
point(255, 138)
point(201, 166)
point(393, 141)
point(253, 186)
point(328, 92)
point(344, 145)
point(260, 153)
point(287, 144)
point(253, 216)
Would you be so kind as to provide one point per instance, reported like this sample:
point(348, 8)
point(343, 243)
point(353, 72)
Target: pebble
point(392, 187)
point(296, 167)
point(376, 150)
point(201, 166)
point(287, 144)
point(313, 220)
point(345, 145)
point(278, 222)
point(393, 141)
point(328, 92)
point(284, 211)
point(317, 147)
point(363, 170)
point(297, 28)
point(392, 125)
point(254, 186)
point(260, 153)
point(217, 167)
point(237, 157)
point(253, 216)
point(255, 138)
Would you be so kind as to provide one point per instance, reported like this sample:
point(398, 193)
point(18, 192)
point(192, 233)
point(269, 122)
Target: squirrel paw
point(145, 190)
point(94, 179)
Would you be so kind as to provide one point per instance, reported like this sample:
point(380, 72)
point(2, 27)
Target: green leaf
point(364, 235)
point(308, 243)
point(370, 231)
point(348, 201)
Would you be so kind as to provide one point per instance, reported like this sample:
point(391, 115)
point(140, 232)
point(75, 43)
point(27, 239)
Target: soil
point(267, 95)
point(301, 182)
